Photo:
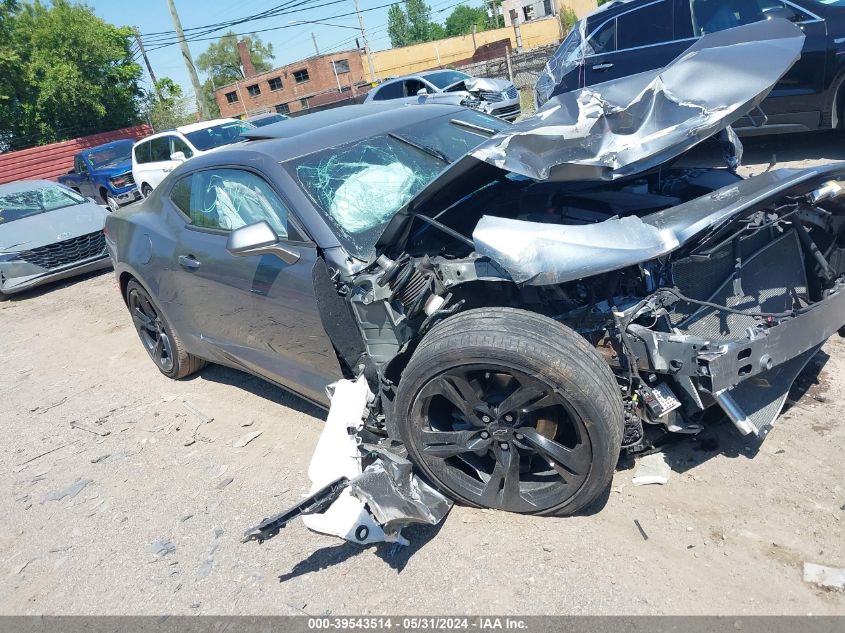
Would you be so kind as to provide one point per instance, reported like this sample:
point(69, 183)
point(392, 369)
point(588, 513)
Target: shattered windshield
point(112, 155)
point(23, 204)
point(360, 186)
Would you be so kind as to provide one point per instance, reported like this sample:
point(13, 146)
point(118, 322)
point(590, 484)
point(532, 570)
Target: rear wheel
point(146, 190)
point(511, 410)
point(158, 338)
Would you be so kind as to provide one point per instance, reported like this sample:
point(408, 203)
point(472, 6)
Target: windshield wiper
point(431, 151)
point(475, 128)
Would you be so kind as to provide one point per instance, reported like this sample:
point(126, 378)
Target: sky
point(290, 42)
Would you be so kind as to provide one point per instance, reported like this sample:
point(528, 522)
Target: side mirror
point(259, 239)
point(180, 156)
point(422, 92)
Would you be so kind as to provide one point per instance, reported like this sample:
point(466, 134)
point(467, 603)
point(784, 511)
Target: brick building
point(308, 83)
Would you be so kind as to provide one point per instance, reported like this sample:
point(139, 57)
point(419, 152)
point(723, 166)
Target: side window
point(709, 16)
point(81, 167)
point(390, 91)
point(160, 149)
point(603, 40)
point(413, 86)
point(142, 153)
point(227, 199)
point(179, 145)
point(651, 24)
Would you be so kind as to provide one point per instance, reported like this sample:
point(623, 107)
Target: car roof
point(313, 132)
point(109, 144)
point(26, 185)
point(266, 115)
point(193, 127)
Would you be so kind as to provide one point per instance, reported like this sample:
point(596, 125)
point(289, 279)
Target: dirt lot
point(147, 518)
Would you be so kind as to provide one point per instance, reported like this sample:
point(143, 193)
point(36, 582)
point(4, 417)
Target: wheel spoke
point(460, 394)
point(450, 443)
point(524, 397)
point(147, 307)
point(567, 461)
point(159, 347)
point(142, 320)
point(502, 489)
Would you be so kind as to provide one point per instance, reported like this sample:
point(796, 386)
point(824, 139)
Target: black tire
point(146, 190)
point(161, 341)
point(493, 377)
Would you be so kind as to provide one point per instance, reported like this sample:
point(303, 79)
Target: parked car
point(493, 96)
point(104, 173)
point(260, 120)
point(156, 156)
point(47, 232)
point(621, 39)
point(524, 301)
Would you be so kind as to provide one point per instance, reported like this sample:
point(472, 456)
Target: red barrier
point(50, 161)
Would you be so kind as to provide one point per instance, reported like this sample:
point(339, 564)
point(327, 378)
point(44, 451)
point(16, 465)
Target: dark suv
point(626, 37)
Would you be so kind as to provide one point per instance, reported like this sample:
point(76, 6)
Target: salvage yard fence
point(51, 161)
point(524, 66)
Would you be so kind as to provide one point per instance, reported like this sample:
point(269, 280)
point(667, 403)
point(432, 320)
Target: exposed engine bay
point(682, 331)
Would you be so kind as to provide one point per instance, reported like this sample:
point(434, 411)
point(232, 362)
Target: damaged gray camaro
point(503, 309)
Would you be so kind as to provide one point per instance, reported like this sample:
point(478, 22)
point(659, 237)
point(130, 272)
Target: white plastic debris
point(832, 577)
point(336, 456)
point(652, 469)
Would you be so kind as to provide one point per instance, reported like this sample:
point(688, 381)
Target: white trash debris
point(652, 469)
point(832, 577)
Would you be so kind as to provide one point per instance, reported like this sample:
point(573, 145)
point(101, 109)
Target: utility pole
point(366, 43)
point(314, 39)
point(202, 107)
point(147, 61)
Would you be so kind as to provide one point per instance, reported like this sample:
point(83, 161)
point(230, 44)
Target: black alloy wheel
point(504, 439)
point(503, 408)
point(151, 329)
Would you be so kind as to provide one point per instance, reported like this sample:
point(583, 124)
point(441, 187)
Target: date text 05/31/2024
point(431, 623)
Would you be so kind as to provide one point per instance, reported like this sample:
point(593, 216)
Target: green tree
point(397, 26)
point(167, 106)
point(413, 24)
point(463, 18)
point(222, 63)
point(64, 72)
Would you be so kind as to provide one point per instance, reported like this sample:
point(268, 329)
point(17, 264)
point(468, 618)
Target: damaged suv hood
point(621, 128)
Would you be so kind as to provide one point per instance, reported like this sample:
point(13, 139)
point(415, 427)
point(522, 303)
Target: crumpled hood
point(618, 128)
point(53, 226)
point(628, 126)
point(482, 83)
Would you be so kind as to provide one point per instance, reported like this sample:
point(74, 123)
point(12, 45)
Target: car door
point(797, 97)
point(255, 312)
point(160, 164)
point(84, 181)
point(639, 39)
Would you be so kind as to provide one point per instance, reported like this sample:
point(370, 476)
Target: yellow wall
point(581, 7)
point(408, 59)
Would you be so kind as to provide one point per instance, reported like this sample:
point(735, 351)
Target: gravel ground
point(120, 499)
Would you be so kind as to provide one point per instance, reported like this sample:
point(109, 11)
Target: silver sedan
point(47, 232)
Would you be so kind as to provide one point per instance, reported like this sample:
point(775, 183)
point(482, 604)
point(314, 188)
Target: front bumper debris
point(748, 376)
point(364, 493)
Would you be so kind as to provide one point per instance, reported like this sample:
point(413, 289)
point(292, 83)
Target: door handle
point(602, 66)
point(188, 262)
